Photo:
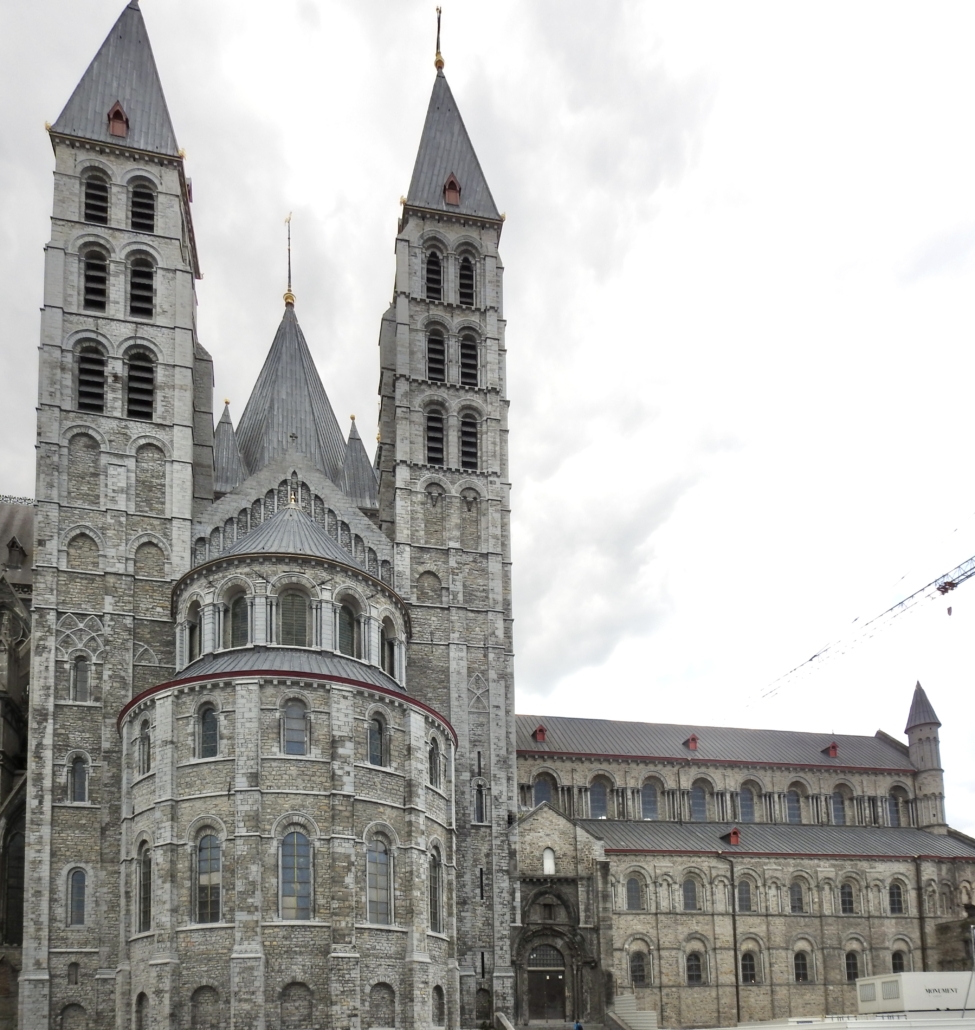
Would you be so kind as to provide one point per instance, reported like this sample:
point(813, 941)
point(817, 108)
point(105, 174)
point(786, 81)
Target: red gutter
point(284, 674)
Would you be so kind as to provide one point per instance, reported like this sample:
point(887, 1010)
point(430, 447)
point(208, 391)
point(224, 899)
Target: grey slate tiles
point(922, 711)
point(291, 531)
point(359, 477)
point(228, 469)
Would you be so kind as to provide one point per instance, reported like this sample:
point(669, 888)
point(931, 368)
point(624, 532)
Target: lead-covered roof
point(291, 531)
point(922, 711)
point(358, 476)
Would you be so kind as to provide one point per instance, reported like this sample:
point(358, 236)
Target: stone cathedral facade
point(259, 763)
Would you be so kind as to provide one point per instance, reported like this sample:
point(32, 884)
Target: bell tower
point(444, 502)
point(925, 750)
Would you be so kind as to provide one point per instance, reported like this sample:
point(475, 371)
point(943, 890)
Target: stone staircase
point(625, 1010)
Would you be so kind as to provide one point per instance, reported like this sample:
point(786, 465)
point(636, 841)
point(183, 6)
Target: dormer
point(538, 734)
point(451, 190)
point(16, 554)
point(118, 121)
point(691, 742)
point(831, 750)
point(733, 836)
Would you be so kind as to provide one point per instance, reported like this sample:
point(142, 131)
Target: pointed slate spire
point(228, 469)
point(446, 154)
point(360, 484)
point(122, 75)
point(922, 712)
point(289, 409)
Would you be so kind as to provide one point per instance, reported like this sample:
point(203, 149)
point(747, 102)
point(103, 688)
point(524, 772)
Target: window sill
point(204, 926)
point(381, 926)
point(204, 761)
point(142, 935)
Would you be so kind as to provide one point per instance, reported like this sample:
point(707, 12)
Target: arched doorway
point(546, 983)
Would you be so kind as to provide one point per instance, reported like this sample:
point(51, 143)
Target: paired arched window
point(800, 967)
point(294, 720)
point(194, 635)
point(376, 741)
point(634, 894)
point(436, 357)
point(898, 962)
point(209, 732)
point(548, 862)
point(208, 875)
point(140, 386)
point(847, 899)
point(144, 893)
point(433, 763)
point(96, 199)
point(468, 442)
point(465, 282)
point(77, 883)
point(793, 806)
point(434, 276)
point(142, 214)
point(237, 626)
point(144, 757)
point(296, 870)
point(649, 801)
point(436, 892)
point(81, 679)
point(598, 799)
point(639, 973)
point(838, 804)
point(746, 805)
point(95, 274)
point(142, 288)
point(378, 880)
point(348, 630)
point(435, 435)
point(91, 379)
point(293, 618)
point(689, 889)
point(699, 804)
point(78, 780)
point(749, 968)
point(744, 896)
point(896, 899)
point(796, 898)
point(695, 968)
point(469, 362)
point(852, 966)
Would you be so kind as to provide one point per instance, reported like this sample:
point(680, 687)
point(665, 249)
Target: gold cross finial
point(438, 60)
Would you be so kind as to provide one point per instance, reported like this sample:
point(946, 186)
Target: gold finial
point(438, 60)
point(226, 400)
point(47, 125)
point(352, 417)
point(402, 200)
point(294, 500)
point(379, 437)
point(181, 153)
point(289, 297)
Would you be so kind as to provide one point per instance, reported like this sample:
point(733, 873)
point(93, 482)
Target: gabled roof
point(289, 409)
point(445, 150)
point(228, 469)
point(291, 531)
point(123, 72)
point(922, 711)
point(358, 476)
point(648, 740)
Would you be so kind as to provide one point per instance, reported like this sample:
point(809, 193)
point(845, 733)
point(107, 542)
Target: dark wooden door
point(546, 994)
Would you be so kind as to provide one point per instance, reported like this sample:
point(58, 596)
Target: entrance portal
point(546, 984)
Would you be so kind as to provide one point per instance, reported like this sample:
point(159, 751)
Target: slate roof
point(123, 70)
point(922, 711)
point(228, 469)
point(777, 839)
point(665, 741)
point(286, 659)
point(291, 531)
point(17, 521)
point(289, 410)
point(446, 148)
point(358, 476)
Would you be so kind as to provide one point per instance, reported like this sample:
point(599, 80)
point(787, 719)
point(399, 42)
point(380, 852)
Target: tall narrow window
point(638, 969)
point(598, 800)
point(208, 879)
point(796, 902)
point(744, 896)
point(387, 648)
point(793, 806)
point(145, 888)
point(749, 968)
point(96, 200)
point(209, 733)
point(439, 1006)
point(73, 970)
point(434, 438)
point(145, 748)
point(846, 899)
point(347, 630)
point(142, 1002)
point(79, 780)
point(13, 886)
point(91, 380)
point(896, 899)
point(238, 622)
point(465, 280)
point(690, 895)
point(377, 883)
point(141, 387)
point(295, 728)
point(634, 894)
point(468, 442)
point(296, 876)
point(433, 764)
point(746, 805)
point(82, 679)
point(839, 808)
point(480, 804)
point(375, 742)
point(143, 209)
point(96, 281)
point(800, 967)
point(436, 892)
point(294, 619)
point(468, 361)
point(434, 277)
point(852, 966)
point(436, 357)
point(548, 862)
point(898, 962)
point(76, 898)
point(699, 805)
point(542, 790)
point(142, 276)
point(649, 801)
point(695, 968)
point(193, 634)
point(893, 810)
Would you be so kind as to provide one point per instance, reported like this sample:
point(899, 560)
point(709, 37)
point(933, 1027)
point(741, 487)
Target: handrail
point(501, 1022)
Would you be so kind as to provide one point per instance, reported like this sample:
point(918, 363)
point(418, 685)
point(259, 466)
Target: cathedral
point(259, 762)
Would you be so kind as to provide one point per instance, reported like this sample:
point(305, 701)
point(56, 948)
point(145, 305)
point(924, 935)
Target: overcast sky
point(739, 250)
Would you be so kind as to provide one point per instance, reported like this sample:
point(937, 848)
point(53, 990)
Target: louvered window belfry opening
point(96, 200)
point(436, 358)
point(434, 277)
point(96, 281)
point(468, 361)
point(434, 438)
point(466, 282)
point(91, 381)
point(143, 209)
point(141, 288)
point(468, 443)
point(142, 384)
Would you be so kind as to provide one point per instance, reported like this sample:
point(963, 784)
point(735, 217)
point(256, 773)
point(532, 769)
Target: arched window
point(237, 628)
point(293, 607)
point(898, 962)
point(81, 688)
point(96, 200)
point(548, 862)
point(73, 970)
point(140, 386)
point(690, 895)
point(378, 878)
point(893, 810)
point(208, 879)
point(387, 647)
point(800, 967)
point(295, 722)
point(469, 363)
point(465, 279)
point(598, 800)
point(846, 899)
point(796, 903)
point(142, 1012)
point(13, 885)
point(634, 894)
point(205, 1009)
point(193, 631)
point(76, 897)
point(839, 808)
point(896, 898)
point(436, 892)
point(746, 805)
point(649, 803)
point(78, 780)
point(436, 357)
point(145, 748)
point(852, 966)
point(542, 790)
point(209, 732)
point(144, 872)
point(434, 438)
point(468, 442)
point(95, 266)
point(793, 806)
point(296, 890)
point(434, 277)
point(749, 968)
point(699, 804)
point(433, 763)
point(143, 211)
point(91, 380)
point(347, 630)
point(695, 968)
point(439, 1007)
point(744, 896)
point(382, 1005)
point(480, 804)
point(375, 742)
point(638, 969)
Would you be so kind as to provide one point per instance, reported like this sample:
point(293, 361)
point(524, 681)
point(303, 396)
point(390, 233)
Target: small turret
point(925, 750)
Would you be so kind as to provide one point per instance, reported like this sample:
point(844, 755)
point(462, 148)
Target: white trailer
point(916, 992)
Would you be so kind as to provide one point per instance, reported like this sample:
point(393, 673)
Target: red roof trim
point(285, 674)
point(784, 854)
point(703, 760)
